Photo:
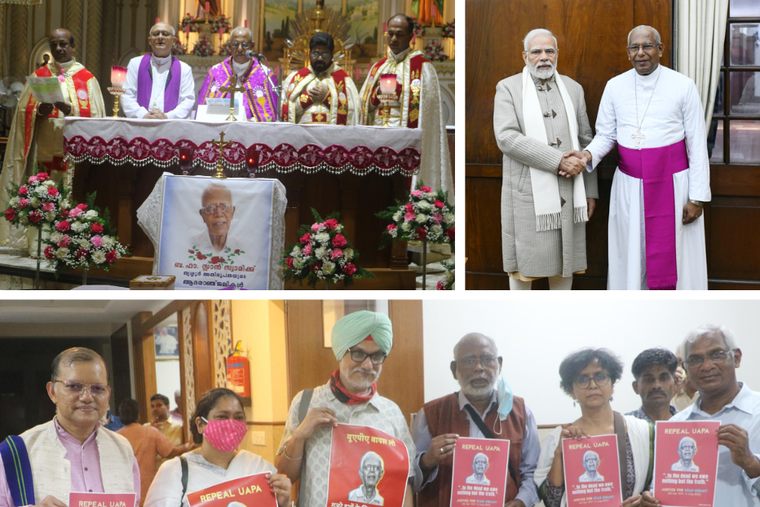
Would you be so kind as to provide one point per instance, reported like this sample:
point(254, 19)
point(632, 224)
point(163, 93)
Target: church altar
point(357, 171)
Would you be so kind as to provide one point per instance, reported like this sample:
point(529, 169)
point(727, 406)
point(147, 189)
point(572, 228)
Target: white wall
point(535, 335)
point(168, 379)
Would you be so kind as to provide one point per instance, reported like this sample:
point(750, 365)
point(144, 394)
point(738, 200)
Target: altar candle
point(432, 10)
point(187, 33)
point(277, 72)
point(357, 74)
point(385, 27)
point(118, 76)
point(207, 7)
point(221, 31)
point(245, 23)
point(158, 20)
point(388, 84)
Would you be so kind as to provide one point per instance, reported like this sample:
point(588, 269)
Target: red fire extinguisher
point(238, 373)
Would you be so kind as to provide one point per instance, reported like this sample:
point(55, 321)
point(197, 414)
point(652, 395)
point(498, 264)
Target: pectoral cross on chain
point(231, 90)
point(219, 167)
point(638, 137)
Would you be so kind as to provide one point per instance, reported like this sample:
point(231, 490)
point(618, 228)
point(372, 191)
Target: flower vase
point(84, 277)
point(39, 254)
point(327, 284)
point(424, 264)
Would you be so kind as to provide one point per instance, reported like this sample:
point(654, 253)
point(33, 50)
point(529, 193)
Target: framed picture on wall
point(167, 342)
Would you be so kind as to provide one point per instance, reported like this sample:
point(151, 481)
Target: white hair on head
point(706, 329)
point(174, 33)
point(211, 188)
point(646, 27)
point(533, 33)
point(475, 335)
point(246, 31)
point(373, 455)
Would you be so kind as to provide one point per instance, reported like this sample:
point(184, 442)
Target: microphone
point(257, 56)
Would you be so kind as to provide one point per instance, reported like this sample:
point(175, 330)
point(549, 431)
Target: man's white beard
point(541, 74)
point(477, 393)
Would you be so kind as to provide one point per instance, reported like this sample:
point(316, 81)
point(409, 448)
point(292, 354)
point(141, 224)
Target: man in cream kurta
point(418, 102)
point(322, 93)
point(540, 116)
point(656, 228)
point(36, 135)
point(159, 86)
point(73, 452)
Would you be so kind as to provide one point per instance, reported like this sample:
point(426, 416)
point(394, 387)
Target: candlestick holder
point(117, 93)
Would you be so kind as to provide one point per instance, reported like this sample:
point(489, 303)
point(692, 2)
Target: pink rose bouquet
point(323, 253)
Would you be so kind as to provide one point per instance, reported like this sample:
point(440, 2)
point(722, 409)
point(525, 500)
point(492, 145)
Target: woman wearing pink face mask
point(218, 424)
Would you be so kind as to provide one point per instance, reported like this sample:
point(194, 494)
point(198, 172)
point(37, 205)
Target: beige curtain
point(701, 33)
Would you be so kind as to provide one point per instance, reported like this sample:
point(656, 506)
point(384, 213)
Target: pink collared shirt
point(85, 467)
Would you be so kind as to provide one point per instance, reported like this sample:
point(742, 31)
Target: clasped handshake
point(573, 163)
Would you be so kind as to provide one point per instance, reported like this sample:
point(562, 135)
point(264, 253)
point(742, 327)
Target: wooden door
point(591, 37)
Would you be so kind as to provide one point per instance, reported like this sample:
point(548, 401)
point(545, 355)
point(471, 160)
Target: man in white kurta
point(418, 102)
point(656, 118)
point(158, 85)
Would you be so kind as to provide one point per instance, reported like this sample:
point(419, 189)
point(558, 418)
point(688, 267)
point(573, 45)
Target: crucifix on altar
point(231, 90)
point(219, 167)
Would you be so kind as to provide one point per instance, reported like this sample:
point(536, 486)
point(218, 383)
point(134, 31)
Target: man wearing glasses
point(321, 93)
point(159, 86)
point(656, 229)
point(371, 471)
point(711, 357)
point(73, 453)
point(241, 71)
point(483, 408)
point(217, 212)
point(361, 341)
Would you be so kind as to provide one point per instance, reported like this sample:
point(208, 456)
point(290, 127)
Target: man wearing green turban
point(361, 342)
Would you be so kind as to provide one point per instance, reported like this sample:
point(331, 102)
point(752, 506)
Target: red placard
point(686, 463)
point(592, 471)
point(367, 467)
point(249, 491)
point(479, 477)
point(102, 499)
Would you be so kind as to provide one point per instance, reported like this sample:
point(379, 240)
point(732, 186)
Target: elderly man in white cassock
point(656, 228)
point(360, 341)
point(159, 86)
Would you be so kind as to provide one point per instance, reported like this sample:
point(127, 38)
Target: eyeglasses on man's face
point(359, 356)
point(472, 361)
point(211, 208)
point(78, 388)
point(648, 47)
point(241, 45)
point(600, 379)
point(373, 468)
point(161, 33)
point(320, 54)
point(716, 356)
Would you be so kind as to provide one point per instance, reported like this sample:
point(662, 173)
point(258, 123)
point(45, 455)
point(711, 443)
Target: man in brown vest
point(477, 410)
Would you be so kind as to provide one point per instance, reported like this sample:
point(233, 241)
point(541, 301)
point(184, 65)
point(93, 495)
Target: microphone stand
point(276, 89)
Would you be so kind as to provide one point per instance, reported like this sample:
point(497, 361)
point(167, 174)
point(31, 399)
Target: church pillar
point(94, 42)
point(3, 37)
point(74, 16)
point(19, 66)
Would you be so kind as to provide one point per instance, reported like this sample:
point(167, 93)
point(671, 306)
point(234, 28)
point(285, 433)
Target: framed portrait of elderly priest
point(221, 233)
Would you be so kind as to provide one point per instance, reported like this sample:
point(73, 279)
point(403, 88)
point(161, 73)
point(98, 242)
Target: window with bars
point(734, 136)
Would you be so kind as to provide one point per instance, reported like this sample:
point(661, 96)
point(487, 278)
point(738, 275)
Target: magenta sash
point(145, 84)
point(656, 167)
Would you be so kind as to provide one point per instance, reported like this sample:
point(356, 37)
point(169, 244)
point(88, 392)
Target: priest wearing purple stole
point(656, 228)
point(240, 70)
point(159, 86)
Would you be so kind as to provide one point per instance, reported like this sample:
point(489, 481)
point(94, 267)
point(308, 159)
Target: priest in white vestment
point(656, 228)
point(418, 103)
point(159, 86)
